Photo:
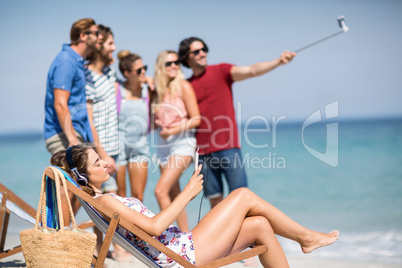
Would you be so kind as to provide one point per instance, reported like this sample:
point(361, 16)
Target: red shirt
point(218, 128)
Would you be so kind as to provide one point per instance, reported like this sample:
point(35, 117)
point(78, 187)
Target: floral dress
point(176, 240)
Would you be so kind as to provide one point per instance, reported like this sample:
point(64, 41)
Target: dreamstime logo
point(330, 156)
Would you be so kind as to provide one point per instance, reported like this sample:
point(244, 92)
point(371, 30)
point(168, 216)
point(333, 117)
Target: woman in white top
point(176, 115)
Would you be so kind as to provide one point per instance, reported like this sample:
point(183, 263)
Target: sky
point(359, 69)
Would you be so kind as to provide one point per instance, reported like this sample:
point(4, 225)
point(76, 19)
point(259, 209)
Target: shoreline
point(17, 260)
point(307, 261)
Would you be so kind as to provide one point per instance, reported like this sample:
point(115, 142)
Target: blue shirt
point(67, 73)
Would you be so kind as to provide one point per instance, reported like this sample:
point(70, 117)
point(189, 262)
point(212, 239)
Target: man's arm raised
point(244, 72)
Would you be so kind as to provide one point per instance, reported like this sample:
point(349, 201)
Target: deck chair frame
point(115, 220)
point(5, 216)
point(9, 195)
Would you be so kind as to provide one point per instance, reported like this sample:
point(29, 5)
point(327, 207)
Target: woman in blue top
point(240, 220)
point(133, 125)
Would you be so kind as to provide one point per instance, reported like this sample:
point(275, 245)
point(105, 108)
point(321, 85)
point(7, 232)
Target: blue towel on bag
point(52, 219)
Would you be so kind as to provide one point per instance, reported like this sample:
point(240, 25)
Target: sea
point(344, 175)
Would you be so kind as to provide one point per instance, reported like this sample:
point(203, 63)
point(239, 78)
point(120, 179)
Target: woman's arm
point(190, 100)
point(153, 95)
point(156, 225)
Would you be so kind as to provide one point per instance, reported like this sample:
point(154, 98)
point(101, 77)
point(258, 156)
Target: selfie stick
point(196, 159)
point(342, 25)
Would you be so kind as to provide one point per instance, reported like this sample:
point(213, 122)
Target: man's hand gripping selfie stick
point(342, 25)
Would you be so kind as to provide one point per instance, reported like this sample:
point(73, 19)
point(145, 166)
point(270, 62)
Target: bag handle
point(58, 177)
point(42, 203)
point(70, 208)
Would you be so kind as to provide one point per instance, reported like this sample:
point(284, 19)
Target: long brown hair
point(80, 158)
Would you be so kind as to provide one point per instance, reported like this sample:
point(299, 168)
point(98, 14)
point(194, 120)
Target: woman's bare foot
point(318, 239)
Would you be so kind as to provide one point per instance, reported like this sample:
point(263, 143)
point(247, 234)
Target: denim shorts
point(228, 162)
point(180, 144)
point(134, 152)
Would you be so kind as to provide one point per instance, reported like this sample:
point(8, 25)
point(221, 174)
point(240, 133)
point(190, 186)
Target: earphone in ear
point(82, 178)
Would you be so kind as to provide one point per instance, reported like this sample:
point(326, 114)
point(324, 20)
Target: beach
point(320, 134)
point(308, 261)
point(360, 197)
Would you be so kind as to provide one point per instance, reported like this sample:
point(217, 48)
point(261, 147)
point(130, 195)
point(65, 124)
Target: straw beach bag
point(46, 247)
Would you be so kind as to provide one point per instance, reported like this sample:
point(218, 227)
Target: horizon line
point(31, 131)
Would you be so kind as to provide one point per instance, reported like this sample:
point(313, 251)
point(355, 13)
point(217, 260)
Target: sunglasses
point(169, 63)
point(196, 52)
point(139, 70)
point(93, 32)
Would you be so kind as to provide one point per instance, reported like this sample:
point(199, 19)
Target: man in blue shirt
point(66, 118)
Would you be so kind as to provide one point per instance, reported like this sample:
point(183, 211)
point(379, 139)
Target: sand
point(308, 261)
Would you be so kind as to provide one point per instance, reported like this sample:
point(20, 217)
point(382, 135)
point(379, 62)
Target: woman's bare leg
point(138, 173)
point(284, 226)
point(99, 240)
point(254, 230)
point(223, 224)
point(257, 230)
point(168, 187)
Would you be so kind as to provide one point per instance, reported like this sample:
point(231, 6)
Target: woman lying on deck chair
point(241, 220)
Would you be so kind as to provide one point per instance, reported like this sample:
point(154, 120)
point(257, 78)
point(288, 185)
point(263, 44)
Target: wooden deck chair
point(107, 221)
point(11, 203)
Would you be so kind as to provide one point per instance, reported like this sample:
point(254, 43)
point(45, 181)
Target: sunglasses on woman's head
point(196, 52)
point(169, 63)
point(139, 70)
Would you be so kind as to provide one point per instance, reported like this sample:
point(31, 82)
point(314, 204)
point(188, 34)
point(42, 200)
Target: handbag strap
point(58, 177)
point(42, 204)
point(62, 179)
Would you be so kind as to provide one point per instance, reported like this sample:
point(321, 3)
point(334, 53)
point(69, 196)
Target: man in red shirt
point(218, 132)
